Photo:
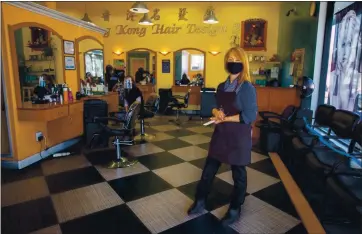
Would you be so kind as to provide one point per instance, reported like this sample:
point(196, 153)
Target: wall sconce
point(164, 52)
point(118, 53)
point(214, 52)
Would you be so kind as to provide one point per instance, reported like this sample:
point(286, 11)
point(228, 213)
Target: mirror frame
point(85, 70)
point(136, 49)
point(174, 64)
point(76, 45)
point(14, 58)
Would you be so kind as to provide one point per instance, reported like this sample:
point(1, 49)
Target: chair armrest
point(100, 119)
point(266, 114)
point(349, 172)
point(276, 117)
point(117, 112)
point(178, 97)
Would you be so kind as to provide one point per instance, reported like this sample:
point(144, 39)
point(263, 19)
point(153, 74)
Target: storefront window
point(344, 77)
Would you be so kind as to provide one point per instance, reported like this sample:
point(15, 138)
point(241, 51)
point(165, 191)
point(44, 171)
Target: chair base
point(144, 137)
point(121, 163)
point(176, 121)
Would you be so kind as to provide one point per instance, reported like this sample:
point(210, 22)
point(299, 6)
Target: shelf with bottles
point(40, 72)
point(39, 60)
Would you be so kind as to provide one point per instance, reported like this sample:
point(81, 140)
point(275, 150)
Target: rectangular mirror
point(189, 67)
point(40, 56)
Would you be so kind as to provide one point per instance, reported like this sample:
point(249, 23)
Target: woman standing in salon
point(231, 141)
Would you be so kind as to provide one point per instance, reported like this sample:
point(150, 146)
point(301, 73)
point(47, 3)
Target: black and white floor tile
point(78, 194)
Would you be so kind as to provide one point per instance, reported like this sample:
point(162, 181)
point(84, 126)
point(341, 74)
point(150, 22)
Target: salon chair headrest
point(344, 122)
point(324, 114)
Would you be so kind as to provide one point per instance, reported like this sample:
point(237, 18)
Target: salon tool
point(208, 123)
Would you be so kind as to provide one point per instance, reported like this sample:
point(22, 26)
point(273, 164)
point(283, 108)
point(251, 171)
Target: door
point(178, 65)
point(136, 63)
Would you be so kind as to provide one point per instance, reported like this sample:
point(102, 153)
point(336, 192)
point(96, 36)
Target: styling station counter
point(59, 124)
point(195, 95)
point(146, 90)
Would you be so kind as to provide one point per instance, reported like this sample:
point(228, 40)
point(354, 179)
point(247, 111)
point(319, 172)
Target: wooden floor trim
point(305, 212)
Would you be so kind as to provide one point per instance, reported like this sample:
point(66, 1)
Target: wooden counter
point(63, 121)
point(274, 99)
point(146, 90)
point(51, 111)
point(195, 95)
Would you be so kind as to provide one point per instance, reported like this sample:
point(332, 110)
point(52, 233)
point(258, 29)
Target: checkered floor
point(77, 194)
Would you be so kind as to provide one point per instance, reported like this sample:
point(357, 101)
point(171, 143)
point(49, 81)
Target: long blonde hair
point(240, 54)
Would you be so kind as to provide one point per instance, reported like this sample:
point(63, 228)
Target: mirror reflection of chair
point(149, 109)
point(123, 135)
point(176, 103)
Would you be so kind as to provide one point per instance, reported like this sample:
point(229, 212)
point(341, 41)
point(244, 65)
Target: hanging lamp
point(86, 17)
point(139, 7)
point(145, 20)
point(210, 17)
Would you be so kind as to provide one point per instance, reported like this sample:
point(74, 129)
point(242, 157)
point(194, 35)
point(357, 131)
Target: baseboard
point(39, 156)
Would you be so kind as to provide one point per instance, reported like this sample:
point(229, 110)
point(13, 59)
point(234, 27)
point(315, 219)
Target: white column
point(319, 53)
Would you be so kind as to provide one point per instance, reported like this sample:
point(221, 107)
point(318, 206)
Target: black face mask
point(234, 68)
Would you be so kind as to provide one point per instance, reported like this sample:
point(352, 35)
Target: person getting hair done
point(132, 92)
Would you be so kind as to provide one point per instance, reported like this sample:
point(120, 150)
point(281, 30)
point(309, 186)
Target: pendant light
point(86, 17)
point(210, 17)
point(139, 7)
point(145, 20)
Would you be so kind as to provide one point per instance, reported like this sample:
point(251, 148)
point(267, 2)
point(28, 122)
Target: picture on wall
point(119, 64)
point(68, 47)
point(166, 65)
point(254, 35)
point(69, 63)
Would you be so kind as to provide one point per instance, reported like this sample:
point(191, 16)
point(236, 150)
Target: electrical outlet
point(39, 136)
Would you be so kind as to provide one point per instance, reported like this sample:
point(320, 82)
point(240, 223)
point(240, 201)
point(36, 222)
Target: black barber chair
point(208, 102)
point(270, 131)
point(175, 103)
point(165, 98)
point(346, 182)
point(321, 160)
point(302, 142)
point(123, 135)
point(148, 110)
point(94, 108)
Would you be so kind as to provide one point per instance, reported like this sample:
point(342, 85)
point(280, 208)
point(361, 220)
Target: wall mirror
point(90, 59)
point(189, 67)
point(141, 64)
point(39, 53)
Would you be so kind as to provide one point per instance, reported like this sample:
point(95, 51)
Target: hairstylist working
point(231, 140)
point(132, 92)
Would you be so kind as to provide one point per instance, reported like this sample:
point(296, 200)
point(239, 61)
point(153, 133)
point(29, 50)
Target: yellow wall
point(228, 14)
point(23, 133)
point(84, 46)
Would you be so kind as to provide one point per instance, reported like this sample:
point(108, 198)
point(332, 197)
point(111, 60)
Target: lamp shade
point(210, 17)
point(145, 20)
point(86, 18)
point(139, 7)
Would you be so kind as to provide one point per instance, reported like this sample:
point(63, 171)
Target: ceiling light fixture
point(145, 20)
point(210, 17)
point(139, 7)
point(86, 17)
